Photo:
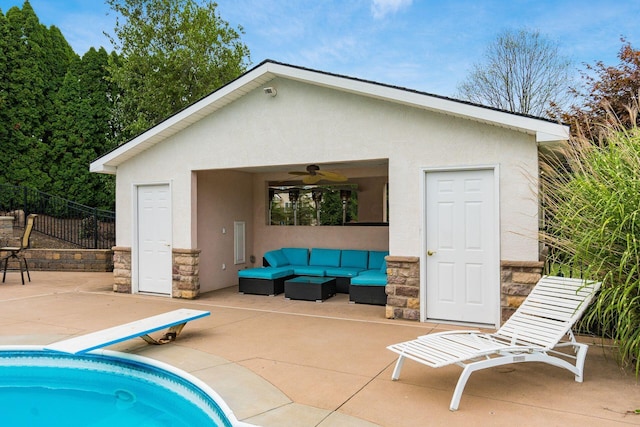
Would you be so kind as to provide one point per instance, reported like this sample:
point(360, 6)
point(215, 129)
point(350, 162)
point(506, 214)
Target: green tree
point(331, 208)
point(607, 93)
point(173, 52)
point(522, 72)
point(35, 60)
point(81, 132)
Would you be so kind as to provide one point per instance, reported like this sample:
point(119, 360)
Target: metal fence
point(556, 264)
point(68, 221)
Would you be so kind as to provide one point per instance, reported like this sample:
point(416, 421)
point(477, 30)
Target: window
point(312, 204)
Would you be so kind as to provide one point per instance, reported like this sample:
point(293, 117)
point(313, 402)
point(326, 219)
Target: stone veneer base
point(517, 278)
point(185, 271)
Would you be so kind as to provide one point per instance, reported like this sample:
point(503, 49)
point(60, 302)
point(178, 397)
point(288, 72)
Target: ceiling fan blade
point(312, 179)
point(332, 176)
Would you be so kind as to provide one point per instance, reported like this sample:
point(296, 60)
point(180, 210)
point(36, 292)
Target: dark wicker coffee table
point(310, 288)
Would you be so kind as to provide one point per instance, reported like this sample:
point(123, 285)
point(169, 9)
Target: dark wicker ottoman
point(310, 288)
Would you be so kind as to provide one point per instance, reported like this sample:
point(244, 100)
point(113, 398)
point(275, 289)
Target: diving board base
point(174, 321)
point(171, 335)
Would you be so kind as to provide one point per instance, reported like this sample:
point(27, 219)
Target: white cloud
point(380, 8)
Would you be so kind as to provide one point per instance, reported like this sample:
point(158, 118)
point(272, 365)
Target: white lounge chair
point(173, 320)
point(530, 335)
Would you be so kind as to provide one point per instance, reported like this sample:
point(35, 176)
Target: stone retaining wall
point(6, 227)
point(67, 260)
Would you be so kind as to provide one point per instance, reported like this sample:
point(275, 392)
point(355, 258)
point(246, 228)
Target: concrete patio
point(295, 363)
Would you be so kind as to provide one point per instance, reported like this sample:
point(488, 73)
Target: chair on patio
point(531, 334)
point(18, 252)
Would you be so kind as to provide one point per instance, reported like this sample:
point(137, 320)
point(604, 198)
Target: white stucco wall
point(307, 124)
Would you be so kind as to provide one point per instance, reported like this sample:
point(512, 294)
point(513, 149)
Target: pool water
point(41, 388)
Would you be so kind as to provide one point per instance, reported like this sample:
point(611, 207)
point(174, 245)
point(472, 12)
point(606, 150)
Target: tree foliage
point(172, 53)
point(60, 111)
point(607, 93)
point(82, 132)
point(35, 61)
point(522, 72)
point(55, 111)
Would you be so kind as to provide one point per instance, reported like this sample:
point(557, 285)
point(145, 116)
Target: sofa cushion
point(370, 278)
point(276, 258)
point(325, 257)
point(342, 271)
point(354, 258)
point(308, 270)
point(376, 260)
point(297, 256)
point(383, 267)
point(268, 273)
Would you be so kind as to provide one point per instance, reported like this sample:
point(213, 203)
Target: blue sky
point(427, 45)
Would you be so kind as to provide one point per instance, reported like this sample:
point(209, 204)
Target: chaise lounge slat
point(531, 334)
point(173, 320)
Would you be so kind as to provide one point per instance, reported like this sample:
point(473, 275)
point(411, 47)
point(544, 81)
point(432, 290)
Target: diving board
point(173, 320)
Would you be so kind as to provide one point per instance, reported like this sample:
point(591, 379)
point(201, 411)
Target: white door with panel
point(462, 242)
point(154, 239)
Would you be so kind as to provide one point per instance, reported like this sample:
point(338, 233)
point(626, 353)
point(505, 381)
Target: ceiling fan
point(314, 175)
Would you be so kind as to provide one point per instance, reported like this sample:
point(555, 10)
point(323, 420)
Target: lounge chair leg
point(581, 354)
point(396, 371)
point(462, 382)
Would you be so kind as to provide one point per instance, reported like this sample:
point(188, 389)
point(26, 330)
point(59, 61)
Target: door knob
point(430, 253)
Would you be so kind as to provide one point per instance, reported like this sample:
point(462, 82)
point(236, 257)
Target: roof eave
point(543, 129)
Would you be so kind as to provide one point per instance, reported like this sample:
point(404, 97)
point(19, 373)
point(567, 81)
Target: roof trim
point(545, 131)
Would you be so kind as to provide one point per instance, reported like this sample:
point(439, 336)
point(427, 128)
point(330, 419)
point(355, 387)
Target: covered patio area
point(280, 362)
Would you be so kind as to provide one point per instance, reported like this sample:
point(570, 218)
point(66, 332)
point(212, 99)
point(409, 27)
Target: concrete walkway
point(296, 363)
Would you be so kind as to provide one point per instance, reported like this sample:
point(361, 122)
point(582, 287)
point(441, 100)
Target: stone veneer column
point(186, 279)
point(185, 283)
point(517, 279)
point(403, 287)
point(122, 269)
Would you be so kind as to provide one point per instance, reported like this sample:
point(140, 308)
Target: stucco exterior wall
point(223, 198)
point(307, 124)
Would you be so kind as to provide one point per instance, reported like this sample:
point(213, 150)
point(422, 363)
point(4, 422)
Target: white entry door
point(154, 239)
point(462, 242)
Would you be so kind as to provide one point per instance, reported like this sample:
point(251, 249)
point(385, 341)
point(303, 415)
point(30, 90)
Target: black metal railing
point(62, 219)
point(556, 264)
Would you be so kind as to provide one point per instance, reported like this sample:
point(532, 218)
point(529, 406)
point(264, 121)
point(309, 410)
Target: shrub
point(591, 197)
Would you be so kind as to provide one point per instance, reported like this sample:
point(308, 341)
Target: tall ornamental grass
point(591, 198)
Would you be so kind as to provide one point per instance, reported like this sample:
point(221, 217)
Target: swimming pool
point(103, 388)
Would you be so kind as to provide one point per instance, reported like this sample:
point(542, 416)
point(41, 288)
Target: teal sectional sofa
point(368, 287)
point(346, 265)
